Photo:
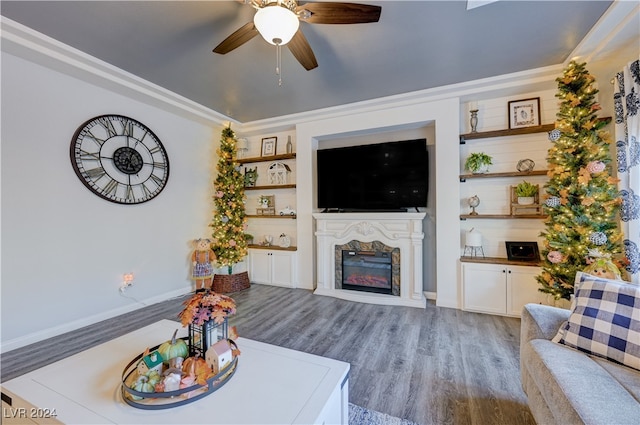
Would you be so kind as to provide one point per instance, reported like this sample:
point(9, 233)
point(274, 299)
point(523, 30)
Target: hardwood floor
point(431, 366)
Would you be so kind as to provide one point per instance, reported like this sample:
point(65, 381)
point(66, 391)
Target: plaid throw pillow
point(605, 320)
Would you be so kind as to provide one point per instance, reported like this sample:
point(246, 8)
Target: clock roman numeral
point(146, 191)
point(98, 140)
point(155, 150)
point(144, 135)
point(110, 188)
point(108, 125)
point(157, 180)
point(95, 173)
point(127, 128)
point(89, 156)
point(160, 165)
point(129, 195)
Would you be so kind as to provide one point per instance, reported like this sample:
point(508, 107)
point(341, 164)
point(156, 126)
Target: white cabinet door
point(484, 288)
point(259, 266)
point(499, 289)
point(272, 267)
point(522, 288)
point(282, 268)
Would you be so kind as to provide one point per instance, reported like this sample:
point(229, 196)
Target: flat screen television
point(390, 176)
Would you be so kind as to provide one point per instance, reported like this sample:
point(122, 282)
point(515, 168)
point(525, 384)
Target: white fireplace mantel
point(401, 230)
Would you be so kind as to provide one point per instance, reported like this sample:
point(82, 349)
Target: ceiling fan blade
point(237, 39)
point(301, 50)
point(338, 13)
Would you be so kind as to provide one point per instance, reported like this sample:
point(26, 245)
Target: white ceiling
point(416, 45)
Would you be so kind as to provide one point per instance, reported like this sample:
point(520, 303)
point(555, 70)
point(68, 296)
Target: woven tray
point(230, 282)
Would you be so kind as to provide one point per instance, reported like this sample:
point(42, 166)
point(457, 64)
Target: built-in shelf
point(266, 158)
point(464, 177)
point(499, 260)
point(273, 247)
point(271, 187)
point(513, 131)
point(502, 216)
point(290, 217)
point(507, 132)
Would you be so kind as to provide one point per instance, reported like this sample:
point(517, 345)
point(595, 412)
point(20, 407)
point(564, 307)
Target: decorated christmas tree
point(582, 198)
point(229, 221)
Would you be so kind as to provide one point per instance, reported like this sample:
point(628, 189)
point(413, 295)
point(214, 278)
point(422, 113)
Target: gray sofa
point(566, 386)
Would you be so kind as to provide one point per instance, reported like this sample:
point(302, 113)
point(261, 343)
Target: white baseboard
point(41, 335)
point(430, 295)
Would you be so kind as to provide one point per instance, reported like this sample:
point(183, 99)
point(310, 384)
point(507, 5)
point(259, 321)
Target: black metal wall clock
point(119, 159)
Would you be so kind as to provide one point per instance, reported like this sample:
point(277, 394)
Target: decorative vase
point(289, 145)
point(473, 121)
point(526, 200)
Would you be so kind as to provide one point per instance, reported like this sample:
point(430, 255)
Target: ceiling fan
point(278, 22)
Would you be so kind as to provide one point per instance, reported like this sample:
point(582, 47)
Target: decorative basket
point(169, 399)
point(231, 282)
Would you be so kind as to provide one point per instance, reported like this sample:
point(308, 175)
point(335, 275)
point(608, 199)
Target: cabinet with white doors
point(499, 288)
point(273, 267)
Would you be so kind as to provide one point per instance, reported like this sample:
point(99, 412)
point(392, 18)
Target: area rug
point(361, 416)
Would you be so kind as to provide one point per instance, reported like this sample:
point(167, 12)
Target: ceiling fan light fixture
point(276, 24)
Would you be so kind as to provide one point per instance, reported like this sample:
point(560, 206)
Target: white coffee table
point(272, 385)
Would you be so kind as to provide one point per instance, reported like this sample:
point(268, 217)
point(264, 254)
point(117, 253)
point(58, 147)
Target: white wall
point(64, 249)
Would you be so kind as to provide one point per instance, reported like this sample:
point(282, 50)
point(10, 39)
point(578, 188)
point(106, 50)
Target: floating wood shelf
point(513, 131)
point(290, 217)
point(499, 260)
point(273, 247)
point(464, 177)
point(502, 216)
point(507, 132)
point(266, 158)
point(270, 187)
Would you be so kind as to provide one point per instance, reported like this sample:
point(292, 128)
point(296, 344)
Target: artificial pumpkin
point(154, 377)
point(198, 366)
point(176, 347)
point(142, 385)
point(189, 380)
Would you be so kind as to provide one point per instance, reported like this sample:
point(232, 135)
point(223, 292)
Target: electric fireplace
point(372, 267)
point(368, 271)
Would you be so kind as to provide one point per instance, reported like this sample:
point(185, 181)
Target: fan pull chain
point(279, 64)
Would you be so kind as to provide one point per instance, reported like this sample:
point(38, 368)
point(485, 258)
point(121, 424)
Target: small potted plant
point(526, 192)
point(250, 177)
point(478, 163)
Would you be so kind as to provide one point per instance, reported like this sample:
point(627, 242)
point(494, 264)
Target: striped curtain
point(627, 132)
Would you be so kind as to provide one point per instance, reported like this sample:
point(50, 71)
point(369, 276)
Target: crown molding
point(502, 85)
point(617, 30)
point(26, 43)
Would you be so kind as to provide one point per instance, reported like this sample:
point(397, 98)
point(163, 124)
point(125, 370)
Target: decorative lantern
point(279, 173)
point(206, 313)
point(201, 337)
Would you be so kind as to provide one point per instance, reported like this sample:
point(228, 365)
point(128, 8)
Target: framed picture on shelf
point(269, 146)
point(524, 113)
point(522, 251)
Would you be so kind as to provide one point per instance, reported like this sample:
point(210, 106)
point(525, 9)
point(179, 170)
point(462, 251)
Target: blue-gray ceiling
point(416, 45)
